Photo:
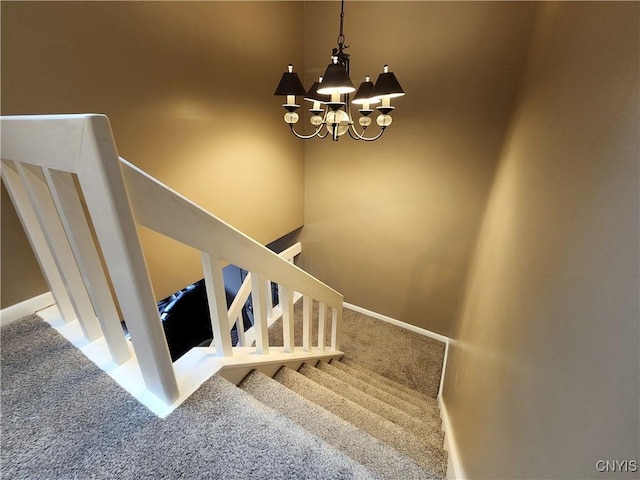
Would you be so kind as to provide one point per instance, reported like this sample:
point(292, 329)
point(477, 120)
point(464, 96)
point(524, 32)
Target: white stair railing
point(52, 163)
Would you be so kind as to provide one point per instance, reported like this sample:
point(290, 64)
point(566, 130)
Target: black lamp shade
point(290, 84)
point(387, 85)
point(365, 93)
point(314, 96)
point(336, 80)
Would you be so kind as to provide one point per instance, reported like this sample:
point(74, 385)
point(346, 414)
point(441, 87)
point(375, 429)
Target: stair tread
point(405, 392)
point(425, 412)
point(432, 434)
point(278, 435)
point(367, 450)
point(430, 457)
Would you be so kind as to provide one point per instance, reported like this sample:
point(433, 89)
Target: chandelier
point(331, 110)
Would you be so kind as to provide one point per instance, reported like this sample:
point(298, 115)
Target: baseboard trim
point(455, 470)
point(27, 307)
point(398, 323)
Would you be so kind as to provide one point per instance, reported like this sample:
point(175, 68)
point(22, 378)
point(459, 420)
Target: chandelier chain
point(341, 35)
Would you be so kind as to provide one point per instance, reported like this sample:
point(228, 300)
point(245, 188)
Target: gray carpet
point(374, 381)
point(63, 418)
point(377, 456)
point(398, 354)
point(407, 422)
point(432, 459)
point(425, 416)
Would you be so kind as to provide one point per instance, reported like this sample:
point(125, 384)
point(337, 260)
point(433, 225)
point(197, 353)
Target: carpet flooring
point(63, 418)
point(398, 354)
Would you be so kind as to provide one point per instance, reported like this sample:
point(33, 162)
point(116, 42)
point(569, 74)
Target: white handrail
point(83, 145)
point(154, 202)
point(39, 156)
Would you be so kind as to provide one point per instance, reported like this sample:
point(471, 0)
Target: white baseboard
point(398, 323)
point(455, 470)
point(15, 312)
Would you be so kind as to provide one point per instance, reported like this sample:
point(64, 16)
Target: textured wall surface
point(188, 87)
point(542, 381)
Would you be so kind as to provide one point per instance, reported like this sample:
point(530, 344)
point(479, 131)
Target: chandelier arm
point(356, 136)
point(307, 137)
point(353, 133)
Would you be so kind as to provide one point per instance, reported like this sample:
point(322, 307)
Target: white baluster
point(242, 341)
point(269, 299)
point(322, 318)
point(65, 196)
point(38, 242)
point(56, 237)
point(286, 302)
point(217, 299)
point(307, 307)
point(258, 298)
point(336, 326)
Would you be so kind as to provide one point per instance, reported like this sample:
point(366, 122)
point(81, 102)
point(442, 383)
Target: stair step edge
point(430, 433)
point(431, 457)
point(425, 412)
point(382, 459)
point(392, 383)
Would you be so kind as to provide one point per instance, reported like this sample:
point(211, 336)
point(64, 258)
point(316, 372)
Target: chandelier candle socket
point(331, 110)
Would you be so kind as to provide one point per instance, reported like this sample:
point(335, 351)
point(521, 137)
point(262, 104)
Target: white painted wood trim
point(50, 223)
point(217, 301)
point(444, 366)
point(118, 196)
point(74, 221)
point(235, 310)
point(260, 325)
point(335, 329)
point(109, 205)
point(307, 306)
point(397, 323)
point(39, 245)
point(286, 303)
point(455, 469)
point(194, 226)
point(27, 307)
point(250, 334)
point(322, 321)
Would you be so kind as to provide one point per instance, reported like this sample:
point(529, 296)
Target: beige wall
point(543, 377)
point(188, 87)
point(391, 224)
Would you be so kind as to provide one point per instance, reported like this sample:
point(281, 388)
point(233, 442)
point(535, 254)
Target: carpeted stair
point(378, 426)
point(63, 418)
